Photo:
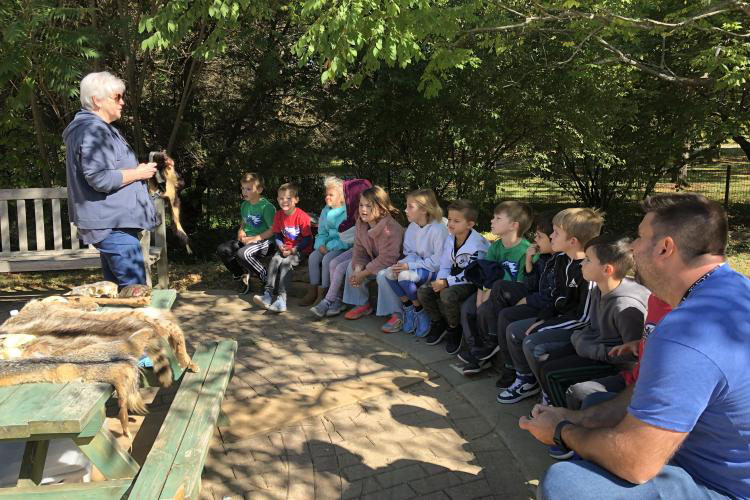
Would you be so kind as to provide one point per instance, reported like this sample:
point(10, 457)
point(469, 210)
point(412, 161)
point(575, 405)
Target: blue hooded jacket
point(95, 154)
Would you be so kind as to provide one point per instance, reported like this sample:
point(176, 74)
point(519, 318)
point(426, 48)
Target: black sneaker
point(453, 341)
point(465, 356)
point(246, 285)
point(476, 367)
point(436, 334)
point(507, 377)
point(486, 352)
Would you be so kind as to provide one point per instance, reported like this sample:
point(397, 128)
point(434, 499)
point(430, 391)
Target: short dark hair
point(614, 250)
point(543, 222)
point(698, 225)
point(467, 208)
point(290, 187)
point(517, 211)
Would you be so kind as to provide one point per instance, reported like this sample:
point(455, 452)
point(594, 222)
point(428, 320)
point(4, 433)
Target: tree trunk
point(39, 132)
point(744, 144)
point(134, 83)
point(187, 89)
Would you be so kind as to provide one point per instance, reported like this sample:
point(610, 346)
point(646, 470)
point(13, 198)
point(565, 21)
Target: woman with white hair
point(107, 195)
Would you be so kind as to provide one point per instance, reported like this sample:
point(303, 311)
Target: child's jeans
point(338, 266)
point(445, 305)
point(391, 288)
point(281, 267)
point(480, 324)
point(318, 265)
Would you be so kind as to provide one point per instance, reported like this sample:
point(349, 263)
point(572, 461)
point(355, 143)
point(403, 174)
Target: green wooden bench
point(174, 465)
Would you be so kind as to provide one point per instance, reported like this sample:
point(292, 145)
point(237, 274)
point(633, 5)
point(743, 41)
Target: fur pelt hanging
point(53, 340)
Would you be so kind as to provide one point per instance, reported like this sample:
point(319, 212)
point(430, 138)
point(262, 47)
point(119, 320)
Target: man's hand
point(542, 423)
point(623, 349)
point(438, 285)
point(533, 326)
point(323, 250)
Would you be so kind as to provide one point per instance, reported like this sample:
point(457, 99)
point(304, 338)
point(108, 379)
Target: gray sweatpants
point(280, 267)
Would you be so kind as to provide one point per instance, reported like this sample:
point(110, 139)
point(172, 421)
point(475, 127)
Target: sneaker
point(359, 312)
point(436, 333)
point(278, 306)
point(521, 389)
point(335, 308)
point(393, 324)
point(245, 284)
point(453, 341)
point(465, 356)
point(423, 323)
point(477, 366)
point(410, 320)
point(321, 308)
point(263, 301)
point(486, 352)
point(507, 377)
point(560, 454)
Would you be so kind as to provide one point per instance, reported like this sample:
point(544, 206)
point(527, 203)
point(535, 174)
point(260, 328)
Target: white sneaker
point(519, 390)
point(263, 301)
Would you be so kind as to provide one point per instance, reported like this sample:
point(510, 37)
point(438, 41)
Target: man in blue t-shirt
point(683, 430)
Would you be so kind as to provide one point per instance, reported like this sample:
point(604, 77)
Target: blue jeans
point(122, 259)
point(584, 480)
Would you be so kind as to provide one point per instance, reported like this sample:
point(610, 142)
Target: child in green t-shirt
point(254, 236)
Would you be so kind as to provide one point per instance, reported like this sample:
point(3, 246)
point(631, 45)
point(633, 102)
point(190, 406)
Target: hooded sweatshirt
point(616, 318)
point(377, 247)
point(95, 154)
point(453, 260)
point(328, 229)
point(423, 245)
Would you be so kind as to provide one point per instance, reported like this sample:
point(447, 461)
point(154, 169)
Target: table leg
point(32, 465)
point(104, 452)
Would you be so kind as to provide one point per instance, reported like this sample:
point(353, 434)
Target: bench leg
point(107, 456)
point(32, 465)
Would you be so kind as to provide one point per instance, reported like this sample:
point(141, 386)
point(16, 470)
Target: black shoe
point(486, 352)
point(465, 356)
point(476, 367)
point(453, 341)
point(436, 333)
point(246, 285)
point(507, 377)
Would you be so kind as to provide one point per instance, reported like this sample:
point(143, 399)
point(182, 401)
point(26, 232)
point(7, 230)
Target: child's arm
point(437, 242)
point(389, 249)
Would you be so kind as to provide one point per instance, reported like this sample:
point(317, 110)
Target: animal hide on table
point(53, 340)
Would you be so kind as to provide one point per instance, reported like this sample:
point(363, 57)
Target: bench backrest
point(34, 198)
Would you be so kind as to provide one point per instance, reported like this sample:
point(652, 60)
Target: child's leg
point(451, 300)
point(538, 346)
point(314, 262)
point(338, 273)
point(248, 256)
point(506, 317)
point(273, 270)
point(469, 322)
point(325, 268)
point(410, 281)
point(576, 393)
point(389, 294)
point(286, 265)
point(355, 296)
point(227, 254)
point(430, 301)
point(515, 335)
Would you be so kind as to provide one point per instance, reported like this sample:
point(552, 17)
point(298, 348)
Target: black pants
point(480, 326)
point(241, 259)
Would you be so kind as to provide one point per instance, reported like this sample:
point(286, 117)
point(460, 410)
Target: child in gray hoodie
point(618, 310)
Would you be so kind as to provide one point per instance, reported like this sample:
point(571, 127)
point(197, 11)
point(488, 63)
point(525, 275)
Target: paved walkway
point(336, 409)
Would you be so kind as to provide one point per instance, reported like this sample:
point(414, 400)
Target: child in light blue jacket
point(327, 244)
point(423, 243)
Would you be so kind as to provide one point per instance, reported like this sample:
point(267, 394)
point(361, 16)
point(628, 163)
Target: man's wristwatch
point(558, 434)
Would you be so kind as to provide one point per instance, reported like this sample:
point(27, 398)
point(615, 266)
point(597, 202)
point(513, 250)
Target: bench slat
point(41, 244)
point(23, 238)
point(4, 226)
point(103, 490)
point(185, 476)
point(33, 193)
point(56, 223)
point(74, 243)
point(152, 476)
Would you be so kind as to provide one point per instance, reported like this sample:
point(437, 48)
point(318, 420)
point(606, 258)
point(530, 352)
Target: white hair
point(100, 85)
point(332, 182)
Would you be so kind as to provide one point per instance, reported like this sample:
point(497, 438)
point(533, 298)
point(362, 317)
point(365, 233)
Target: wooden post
point(32, 465)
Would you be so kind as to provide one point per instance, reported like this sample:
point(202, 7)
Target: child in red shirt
point(293, 238)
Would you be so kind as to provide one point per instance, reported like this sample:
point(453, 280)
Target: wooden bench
point(17, 238)
point(174, 465)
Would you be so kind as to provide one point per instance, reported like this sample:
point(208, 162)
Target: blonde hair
point(100, 85)
point(333, 182)
point(290, 188)
point(382, 202)
point(426, 199)
point(583, 224)
point(253, 178)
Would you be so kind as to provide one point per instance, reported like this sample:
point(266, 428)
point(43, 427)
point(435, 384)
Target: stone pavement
point(336, 409)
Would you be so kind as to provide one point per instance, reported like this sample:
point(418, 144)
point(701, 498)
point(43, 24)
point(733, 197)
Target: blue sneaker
point(279, 305)
point(423, 323)
point(263, 301)
point(410, 320)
